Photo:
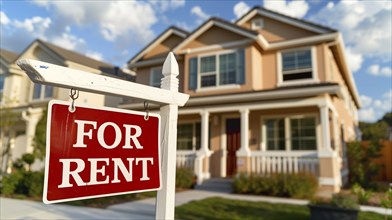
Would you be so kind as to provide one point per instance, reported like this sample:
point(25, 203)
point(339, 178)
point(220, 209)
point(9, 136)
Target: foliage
point(361, 164)
point(344, 201)
point(299, 185)
point(28, 159)
point(362, 195)
point(185, 179)
point(386, 202)
point(219, 208)
point(374, 131)
point(39, 141)
point(23, 182)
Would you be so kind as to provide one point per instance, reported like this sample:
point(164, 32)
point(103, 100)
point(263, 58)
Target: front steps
point(216, 185)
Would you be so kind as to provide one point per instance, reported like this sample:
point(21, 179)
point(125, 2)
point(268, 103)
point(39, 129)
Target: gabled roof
point(8, 56)
point(214, 21)
point(285, 19)
point(159, 39)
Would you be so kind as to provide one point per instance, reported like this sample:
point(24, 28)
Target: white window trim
point(287, 117)
point(151, 83)
point(279, 62)
point(217, 70)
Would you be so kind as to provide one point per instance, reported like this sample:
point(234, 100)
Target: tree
point(28, 159)
point(8, 120)
point(39, 141)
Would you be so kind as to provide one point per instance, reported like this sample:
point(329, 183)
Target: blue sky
point(114, 31)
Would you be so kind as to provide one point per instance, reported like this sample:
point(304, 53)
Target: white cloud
point(4, 20)
point(292, 8)
point(202, 16)
point(164, 5)
point(374, 109)
point(240, 9)
point(376, 70)
point(365, 25)
point(68, 41)
point(95, 55)
point(366, 100)
point(354, 60)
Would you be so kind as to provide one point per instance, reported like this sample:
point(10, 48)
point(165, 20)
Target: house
point(23, 102)
point(268, 93)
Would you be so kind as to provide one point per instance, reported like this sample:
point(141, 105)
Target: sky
point(114, 31)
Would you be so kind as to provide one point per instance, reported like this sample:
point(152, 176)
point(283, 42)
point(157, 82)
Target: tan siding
point(269, 70)
point(321, 61)
point(256, 70)
point(215, 146)
point(163, 48)
point(215, 35)
point(274, 31)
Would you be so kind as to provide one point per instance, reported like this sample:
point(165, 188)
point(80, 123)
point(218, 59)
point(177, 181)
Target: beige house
point(268, 93)
point(25, 100)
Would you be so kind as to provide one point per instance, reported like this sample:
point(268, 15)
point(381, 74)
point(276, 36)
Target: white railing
point(186, 158)
point(266, 162)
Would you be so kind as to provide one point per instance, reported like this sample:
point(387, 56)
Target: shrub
point(386, 202)
point(299, 185)
point(25, 183)
point(344, 201)
point(362, 195)
point(185, 178)
point(11, 183)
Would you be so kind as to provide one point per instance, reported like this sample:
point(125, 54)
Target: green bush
point(362, 195)
point(185, 178)
point(299, 185)
point(23, 182)
point(344, 201)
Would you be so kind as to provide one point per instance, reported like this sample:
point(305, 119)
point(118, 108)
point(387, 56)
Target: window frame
point(288, 136)
point(280, 72)
point(42, 93)
point(254, 25)
point(194, 136)
point(152, 72)
point(217, 71)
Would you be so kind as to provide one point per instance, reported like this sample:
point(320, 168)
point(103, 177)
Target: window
point(297, 65)
point(217, 70)
point(156, 76)
point(188, 136)
point(275, 134)
point(257, 24)
point(41, 92)
point(2, 79)
point(291, 133)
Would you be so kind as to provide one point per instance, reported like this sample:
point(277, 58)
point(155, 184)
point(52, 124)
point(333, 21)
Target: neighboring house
point(25, 101)
point(268, 93)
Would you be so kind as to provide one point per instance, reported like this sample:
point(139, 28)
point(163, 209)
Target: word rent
point(87, 130)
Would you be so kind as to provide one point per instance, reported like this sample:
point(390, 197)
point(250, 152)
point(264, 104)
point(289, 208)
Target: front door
point(233, 135)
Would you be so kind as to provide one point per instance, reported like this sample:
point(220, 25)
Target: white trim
point(302, 41)
point(329, 181)
point(206, 26)
point(218, 88)
point(216, 46)
point(314, 71)
point(156, 42)
point(281, 18)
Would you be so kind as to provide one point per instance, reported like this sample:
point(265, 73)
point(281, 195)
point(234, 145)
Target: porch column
point(243, 154)
point(203, 155)
point(330, 175)
point(31, 117)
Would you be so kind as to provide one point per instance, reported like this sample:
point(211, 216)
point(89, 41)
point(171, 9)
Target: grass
point(219, 208)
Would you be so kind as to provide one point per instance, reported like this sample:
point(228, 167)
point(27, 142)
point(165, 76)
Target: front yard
point(219, 208)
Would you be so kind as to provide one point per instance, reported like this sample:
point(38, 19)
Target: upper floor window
point(257, 24)
point(216, 70)
point(297, 66)
point(290, 133)
point(41, 92)
point(156, 76)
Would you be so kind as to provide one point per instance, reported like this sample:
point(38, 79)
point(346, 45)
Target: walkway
point(141, 209)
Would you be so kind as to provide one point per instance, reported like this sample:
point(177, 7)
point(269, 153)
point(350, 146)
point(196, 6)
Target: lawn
point(219, 208)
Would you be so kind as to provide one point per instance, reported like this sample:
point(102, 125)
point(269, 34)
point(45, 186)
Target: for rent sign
point(96, 152)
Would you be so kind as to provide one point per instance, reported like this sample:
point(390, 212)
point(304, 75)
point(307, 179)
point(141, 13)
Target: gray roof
point(8, 56)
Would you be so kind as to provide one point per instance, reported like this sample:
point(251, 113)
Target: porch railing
point(266, 162)
point(186, 158)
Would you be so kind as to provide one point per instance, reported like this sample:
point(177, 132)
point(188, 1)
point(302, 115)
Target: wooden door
point(233, 140)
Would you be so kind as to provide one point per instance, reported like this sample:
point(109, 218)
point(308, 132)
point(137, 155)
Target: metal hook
point(73, 94)
point(146, 108)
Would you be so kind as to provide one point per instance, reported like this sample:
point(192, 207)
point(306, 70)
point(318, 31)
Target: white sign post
point(168, 97)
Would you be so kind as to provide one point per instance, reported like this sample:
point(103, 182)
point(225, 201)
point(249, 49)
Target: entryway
point(233, 140)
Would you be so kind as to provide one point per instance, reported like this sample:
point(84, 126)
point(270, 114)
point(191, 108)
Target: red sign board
point(96, 152)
